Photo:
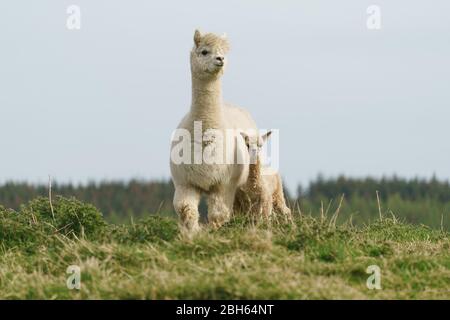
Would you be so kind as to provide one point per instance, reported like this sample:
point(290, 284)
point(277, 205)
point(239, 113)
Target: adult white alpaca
point(218, 182)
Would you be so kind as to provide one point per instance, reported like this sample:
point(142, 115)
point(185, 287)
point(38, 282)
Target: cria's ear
point(246, 138)
point(197, 37)
point(224, 36)
point(266, 136)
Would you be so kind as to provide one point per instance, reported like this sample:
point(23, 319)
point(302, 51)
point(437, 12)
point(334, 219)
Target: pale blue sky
point(101, 102)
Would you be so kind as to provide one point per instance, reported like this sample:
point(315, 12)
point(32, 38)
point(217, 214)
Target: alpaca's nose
point(219, 61)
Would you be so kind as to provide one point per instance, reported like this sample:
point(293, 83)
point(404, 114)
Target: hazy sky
point(101, 102)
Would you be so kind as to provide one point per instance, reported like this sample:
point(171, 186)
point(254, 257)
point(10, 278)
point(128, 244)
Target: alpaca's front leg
point(220, 207)
point(242, 203)
point(186, 202)
point(267, 207)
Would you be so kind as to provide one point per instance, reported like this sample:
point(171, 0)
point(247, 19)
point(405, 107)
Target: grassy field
point(311, 258)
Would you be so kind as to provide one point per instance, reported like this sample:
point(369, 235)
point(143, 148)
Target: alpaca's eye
point(204, 52)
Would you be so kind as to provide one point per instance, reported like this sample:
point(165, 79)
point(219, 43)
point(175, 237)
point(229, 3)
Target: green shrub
point(69, 217)
point(18, 230)
point(35, 224)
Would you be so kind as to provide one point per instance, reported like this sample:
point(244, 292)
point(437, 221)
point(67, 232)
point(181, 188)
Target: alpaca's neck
point(207, 103)
point(254, 173)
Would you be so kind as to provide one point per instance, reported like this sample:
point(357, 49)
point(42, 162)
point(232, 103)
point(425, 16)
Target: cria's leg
point(242, 203)
point(267, 207)
point(280, 205)
point(279, 202)
point(186, 202)
point(220, 207)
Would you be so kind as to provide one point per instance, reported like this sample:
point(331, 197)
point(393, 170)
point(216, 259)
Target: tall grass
point(364, 210)
point(310, 258)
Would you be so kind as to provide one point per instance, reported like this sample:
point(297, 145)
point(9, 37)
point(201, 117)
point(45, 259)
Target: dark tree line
point(413, 189)
point(116, 200)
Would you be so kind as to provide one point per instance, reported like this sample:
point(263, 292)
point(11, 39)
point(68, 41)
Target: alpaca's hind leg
point(186, 202)
point(279, 205)
point(279, 202)
point(220, 207)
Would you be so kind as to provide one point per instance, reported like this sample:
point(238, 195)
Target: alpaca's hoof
point(215, 225)
point(189, 231)
point(287, 213)
point(218, 222)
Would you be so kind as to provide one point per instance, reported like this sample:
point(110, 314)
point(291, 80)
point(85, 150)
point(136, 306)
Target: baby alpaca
point(263, 192)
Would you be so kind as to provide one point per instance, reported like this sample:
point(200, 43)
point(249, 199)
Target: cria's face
point(254, 153)
point(254, 146)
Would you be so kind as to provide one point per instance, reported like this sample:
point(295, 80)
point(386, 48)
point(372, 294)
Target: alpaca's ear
point(225, 44)
point(197, 37)
point(266, 136)
point(246, 138)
